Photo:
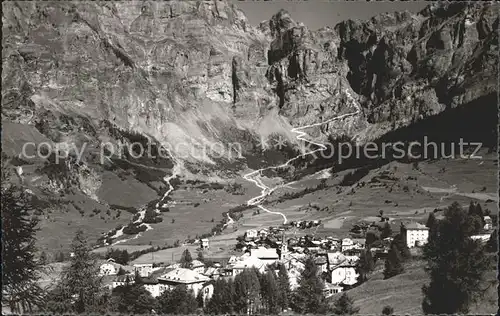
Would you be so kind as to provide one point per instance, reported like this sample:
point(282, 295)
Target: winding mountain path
point(254, 176)
point(159, 204)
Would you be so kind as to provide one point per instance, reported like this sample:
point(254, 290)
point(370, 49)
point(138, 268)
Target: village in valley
point(338, 260)
point(221, 157)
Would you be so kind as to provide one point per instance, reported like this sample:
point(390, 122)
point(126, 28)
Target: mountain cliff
point(192, 75)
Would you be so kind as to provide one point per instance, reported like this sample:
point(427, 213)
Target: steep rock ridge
point(190, 71)
point(153, 68)
point(408, 67)
point(404, 67)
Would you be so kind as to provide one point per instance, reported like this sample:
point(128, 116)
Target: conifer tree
point(344, 306)
point(284, 288)
point(393, 263)
point(370, 238)
point(270, 292)
point(386, 231)
point(492, 244)
point(124, 257)
point(387, 310)
point(20, 269)
point(222, 299)
point(200, 256)
point(200, 300)
point(399, 242)
point(455, 263)
point(431, 220)
point(132, 298)
point(247, 291)
point(309, 296)
point(186, 259)
point(79, 289)
point(365, 265)
point(179, 300)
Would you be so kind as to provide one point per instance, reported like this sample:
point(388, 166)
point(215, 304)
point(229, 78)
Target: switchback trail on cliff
point(265, 190)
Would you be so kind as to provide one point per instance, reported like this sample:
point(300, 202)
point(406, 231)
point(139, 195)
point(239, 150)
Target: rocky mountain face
point(197, 73)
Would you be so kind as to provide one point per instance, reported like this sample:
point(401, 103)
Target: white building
point(344, 273)
point(144, 269)
point(121, 280)
point(192, 280)
point(416, 234)
point(488, 223)
point(251, 234)
point(245, 262)
point(347, 244)
point(481, 237)
point(331, 289)
point(213, 272)
point(109, 268)
point(263, 233)
point(342, 268)
point(335, 258)
point(267, 255)
point(153, 287)
point(197, 266)
point(204, 244)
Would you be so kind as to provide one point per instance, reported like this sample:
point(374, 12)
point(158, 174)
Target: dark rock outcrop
point(186, 71)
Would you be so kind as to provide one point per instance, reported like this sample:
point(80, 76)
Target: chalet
point(212, 272)
point(292, 242)
point(335, 258)
point(110, 267)
point(359, 243)
point(293, 260)
point(121, 280)
point(143, 269)
point(331, 289)
point(347, 244)
point(197, 266)
point(344, 273)
point(353, 252)
point(251, 234)
point(204, 244)
point(152, 286)
point(263, 233)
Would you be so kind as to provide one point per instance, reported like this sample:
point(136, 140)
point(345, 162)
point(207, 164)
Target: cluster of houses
point(159, 279)
point(335, 258)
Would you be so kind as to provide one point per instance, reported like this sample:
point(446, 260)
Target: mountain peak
point(281, 22)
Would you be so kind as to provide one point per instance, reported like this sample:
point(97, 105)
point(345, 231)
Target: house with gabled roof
point(197, 266)
point(191, 279)
point(122, 280)
point(245, 262)
point(110, 267)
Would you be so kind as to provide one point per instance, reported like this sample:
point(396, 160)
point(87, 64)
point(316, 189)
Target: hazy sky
point(318, 13)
